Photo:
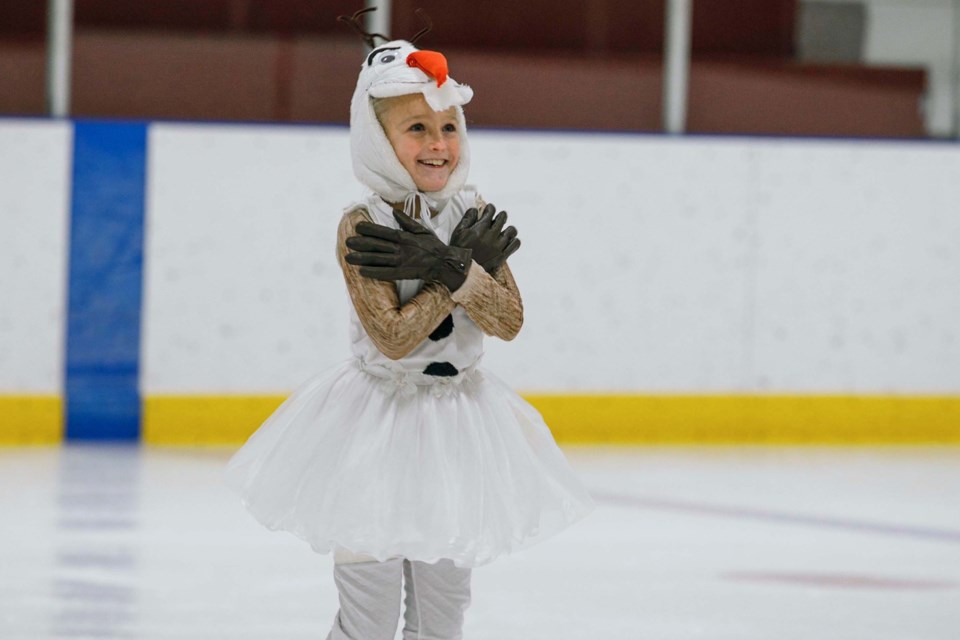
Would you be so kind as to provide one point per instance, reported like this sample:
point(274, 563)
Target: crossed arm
point(493, 302)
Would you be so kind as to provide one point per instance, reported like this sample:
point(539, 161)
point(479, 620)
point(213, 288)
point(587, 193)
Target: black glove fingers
point(373, 259)
point(364, 243)
point(510, 249)
point(389, 274)
point(409, 224)
point(499, 221)
point(461, 233)
point(468, 220)
point(415, 254)
point(487, 218)
point(497, 261)
point(509, 233)
point(373, 230)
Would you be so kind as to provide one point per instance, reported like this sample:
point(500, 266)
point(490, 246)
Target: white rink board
point(35, 159)
point(733, 265)
point(649, 264)
point(858, 270)
point(242, 291)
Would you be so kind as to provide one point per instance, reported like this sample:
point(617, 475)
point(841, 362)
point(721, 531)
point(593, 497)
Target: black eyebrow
point(376, 51)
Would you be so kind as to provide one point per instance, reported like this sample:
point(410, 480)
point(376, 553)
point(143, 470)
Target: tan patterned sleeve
point(493, 302)
point(396, 330)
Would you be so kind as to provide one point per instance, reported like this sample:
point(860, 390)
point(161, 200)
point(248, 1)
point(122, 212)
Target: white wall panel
point(633, 262)
point(35, 161)
point(858, 279)
point(739, 264)
point(649, 264)
point(242, 292)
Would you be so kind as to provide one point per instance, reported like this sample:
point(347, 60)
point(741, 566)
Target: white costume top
point(453, 350)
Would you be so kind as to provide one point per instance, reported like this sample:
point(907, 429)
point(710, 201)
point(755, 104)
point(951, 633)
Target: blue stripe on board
point(105, 282)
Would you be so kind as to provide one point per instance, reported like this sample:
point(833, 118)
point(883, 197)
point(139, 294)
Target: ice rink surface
point(718, 543)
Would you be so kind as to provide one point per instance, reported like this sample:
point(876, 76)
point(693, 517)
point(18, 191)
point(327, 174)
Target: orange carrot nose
point(432, 63)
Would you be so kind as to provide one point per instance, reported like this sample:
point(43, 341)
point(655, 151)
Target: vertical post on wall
point(956, 69)
point(379, 21)
point(59, 32)
point(676, 68)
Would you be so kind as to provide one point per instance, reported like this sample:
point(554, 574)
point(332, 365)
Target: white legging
point(436, 596)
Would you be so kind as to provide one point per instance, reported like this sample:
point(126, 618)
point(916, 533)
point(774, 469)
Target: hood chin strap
point(416, 204)
point(410, 208)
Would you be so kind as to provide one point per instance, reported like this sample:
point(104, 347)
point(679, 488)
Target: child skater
point(410, 462)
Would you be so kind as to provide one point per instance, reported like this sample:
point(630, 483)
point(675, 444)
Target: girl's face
point(426, 142)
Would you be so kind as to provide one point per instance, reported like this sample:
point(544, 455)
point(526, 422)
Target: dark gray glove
point(485, 236)
point(409, 253)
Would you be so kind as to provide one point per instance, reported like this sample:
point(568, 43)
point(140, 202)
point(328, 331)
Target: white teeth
point(434, 163)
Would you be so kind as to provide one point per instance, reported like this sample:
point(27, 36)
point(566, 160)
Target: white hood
point(386, 73)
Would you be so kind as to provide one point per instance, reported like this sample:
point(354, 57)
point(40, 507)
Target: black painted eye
point(387, 58)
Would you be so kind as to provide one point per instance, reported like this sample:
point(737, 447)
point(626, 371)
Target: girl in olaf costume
point(410, 462)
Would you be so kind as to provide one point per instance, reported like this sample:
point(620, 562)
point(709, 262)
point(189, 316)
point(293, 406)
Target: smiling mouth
point(433, 164)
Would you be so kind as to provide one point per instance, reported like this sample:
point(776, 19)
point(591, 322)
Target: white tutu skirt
point(466, 472)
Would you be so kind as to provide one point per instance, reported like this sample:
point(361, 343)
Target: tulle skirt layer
point(465, 472)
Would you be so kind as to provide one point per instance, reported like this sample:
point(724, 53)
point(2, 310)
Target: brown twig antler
point(426, 29)
point(354, 23)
